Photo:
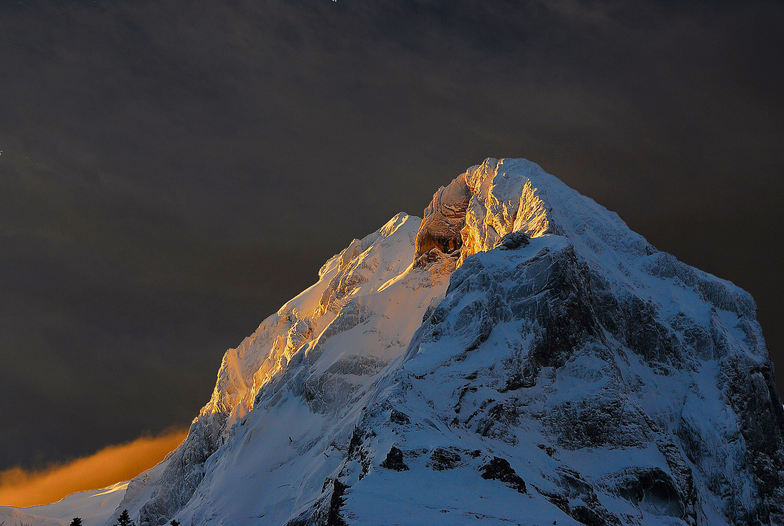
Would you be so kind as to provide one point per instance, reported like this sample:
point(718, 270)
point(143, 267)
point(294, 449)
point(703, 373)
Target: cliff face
point(443, 221)
point(519, 355)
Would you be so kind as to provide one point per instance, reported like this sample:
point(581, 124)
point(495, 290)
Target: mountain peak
point(480, 206)
point(488, 201)
point(519, 354)
point(506, 341)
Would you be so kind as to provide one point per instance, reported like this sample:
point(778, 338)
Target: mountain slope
point(517, 356)
point(311, 361)
point(95, 507)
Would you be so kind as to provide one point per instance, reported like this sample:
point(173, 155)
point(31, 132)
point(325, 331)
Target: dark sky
point(173, 171)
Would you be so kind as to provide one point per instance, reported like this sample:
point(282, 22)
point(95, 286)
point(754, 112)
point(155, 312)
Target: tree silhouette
point(124, 519)
point(77, 521)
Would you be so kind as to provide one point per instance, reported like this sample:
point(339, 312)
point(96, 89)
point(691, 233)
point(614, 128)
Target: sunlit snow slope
point(285, 398)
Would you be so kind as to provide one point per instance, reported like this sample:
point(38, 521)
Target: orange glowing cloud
point(112, 464)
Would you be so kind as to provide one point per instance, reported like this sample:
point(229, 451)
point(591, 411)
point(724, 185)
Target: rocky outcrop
point(182, 471)
point(444, 218)
point(394, 460)
point(499, 469)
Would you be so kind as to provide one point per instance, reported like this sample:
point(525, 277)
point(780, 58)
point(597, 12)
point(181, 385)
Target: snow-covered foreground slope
point(518, 356)
point(95, 507)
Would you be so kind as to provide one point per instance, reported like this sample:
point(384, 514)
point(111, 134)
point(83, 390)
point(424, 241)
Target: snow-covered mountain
point(518, 356)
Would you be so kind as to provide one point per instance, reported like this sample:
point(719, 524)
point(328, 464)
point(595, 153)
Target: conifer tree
point(77, 521)
point(124, 519)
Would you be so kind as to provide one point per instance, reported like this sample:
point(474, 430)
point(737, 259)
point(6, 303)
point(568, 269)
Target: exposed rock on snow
point(394, 460)
point(518, 356)
point(499, 469)
point(444, 219)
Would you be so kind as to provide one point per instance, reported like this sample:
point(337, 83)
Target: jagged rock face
point(566, 372)
point(180, 474)
point(444, 220)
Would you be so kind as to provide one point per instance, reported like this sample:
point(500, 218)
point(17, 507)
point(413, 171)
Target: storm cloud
point(172, 172)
